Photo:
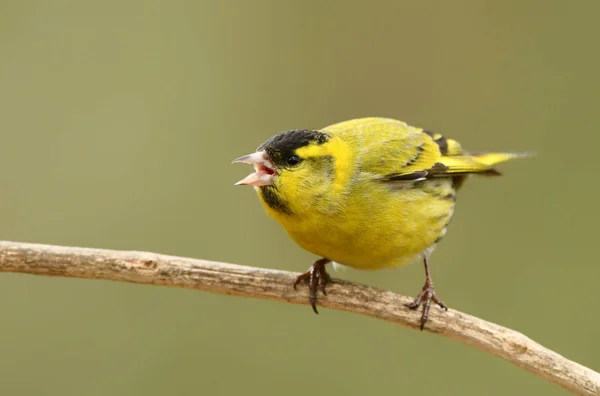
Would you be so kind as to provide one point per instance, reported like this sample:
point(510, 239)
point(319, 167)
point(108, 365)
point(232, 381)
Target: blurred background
point(118, 123)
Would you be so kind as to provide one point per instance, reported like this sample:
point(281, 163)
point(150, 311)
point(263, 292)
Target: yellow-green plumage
point(377, 193)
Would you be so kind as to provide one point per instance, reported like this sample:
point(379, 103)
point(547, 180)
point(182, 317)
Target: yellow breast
point(378, 225)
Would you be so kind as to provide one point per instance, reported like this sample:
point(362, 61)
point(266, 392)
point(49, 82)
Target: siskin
point(368, 193)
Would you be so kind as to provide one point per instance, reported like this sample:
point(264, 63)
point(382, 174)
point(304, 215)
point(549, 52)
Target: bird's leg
point(426, 295)
point(316, 277)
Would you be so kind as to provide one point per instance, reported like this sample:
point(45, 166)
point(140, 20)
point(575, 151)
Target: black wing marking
point(441, 141)
point(419, 175)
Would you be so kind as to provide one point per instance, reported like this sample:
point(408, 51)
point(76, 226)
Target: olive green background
point(118, 123)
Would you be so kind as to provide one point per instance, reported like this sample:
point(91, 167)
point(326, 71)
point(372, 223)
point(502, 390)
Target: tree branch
point(156, 269)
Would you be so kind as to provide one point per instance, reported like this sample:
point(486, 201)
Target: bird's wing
point(394, 151)
point(384, 146)
point(448, 159)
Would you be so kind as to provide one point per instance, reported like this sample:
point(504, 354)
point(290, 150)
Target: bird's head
point(293, 169)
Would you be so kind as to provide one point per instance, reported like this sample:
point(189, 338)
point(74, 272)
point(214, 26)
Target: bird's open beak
point(265, 171)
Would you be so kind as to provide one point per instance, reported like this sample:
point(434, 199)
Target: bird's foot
point(316, 278)
point(425, 297)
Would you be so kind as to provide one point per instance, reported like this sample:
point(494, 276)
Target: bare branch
point(156, 269)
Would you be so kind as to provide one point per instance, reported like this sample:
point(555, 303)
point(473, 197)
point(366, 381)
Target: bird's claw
point(425, 297)
point(316, 278)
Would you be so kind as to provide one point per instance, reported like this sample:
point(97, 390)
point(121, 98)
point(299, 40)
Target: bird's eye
point(293, 160)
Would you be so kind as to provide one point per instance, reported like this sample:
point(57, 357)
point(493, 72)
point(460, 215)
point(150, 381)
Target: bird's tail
point(481, 163)
point(491, 159)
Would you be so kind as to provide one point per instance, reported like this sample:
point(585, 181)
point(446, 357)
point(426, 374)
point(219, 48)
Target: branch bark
point(237, 280)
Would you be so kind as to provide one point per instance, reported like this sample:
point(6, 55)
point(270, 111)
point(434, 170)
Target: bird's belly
point(374, 250)
point(385, 233)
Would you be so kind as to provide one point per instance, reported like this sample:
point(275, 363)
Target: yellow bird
point(368, 193)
